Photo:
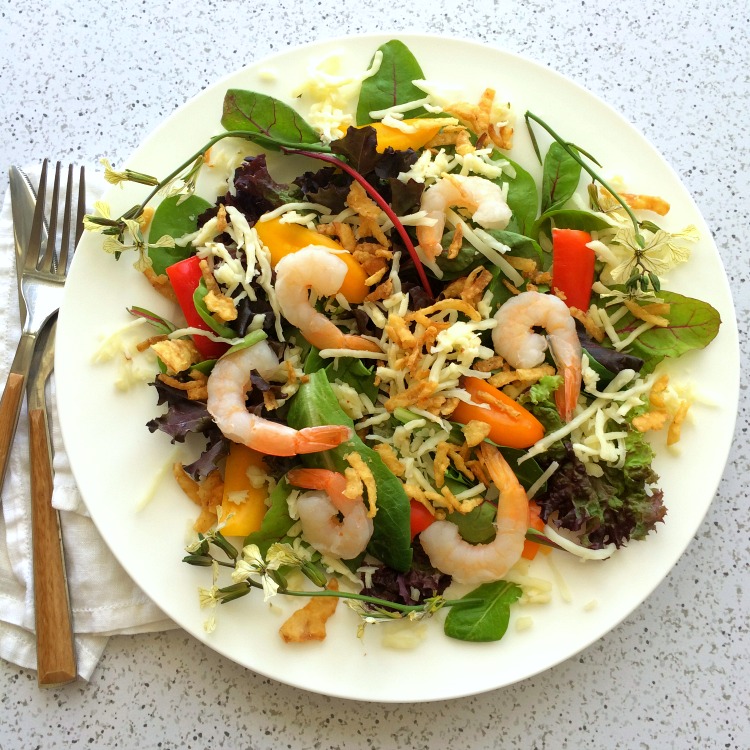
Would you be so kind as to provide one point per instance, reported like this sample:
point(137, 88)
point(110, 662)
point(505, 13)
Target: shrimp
point(483, 198)
point(319, 511)
point(515, 340)
point(228, 385)
point(314, 267)
point(483, 563)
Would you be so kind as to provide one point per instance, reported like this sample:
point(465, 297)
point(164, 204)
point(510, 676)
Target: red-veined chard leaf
point(276, 123)
point(560, 177)
point(392, 84)
point(693, 324)
point(487, 620)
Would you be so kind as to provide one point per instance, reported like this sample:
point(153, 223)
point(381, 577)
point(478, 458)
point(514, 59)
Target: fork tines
point(50, 259)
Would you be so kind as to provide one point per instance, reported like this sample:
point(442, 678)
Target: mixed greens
point(428, 408)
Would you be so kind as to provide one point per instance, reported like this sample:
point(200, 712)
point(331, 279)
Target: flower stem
point(379, 602)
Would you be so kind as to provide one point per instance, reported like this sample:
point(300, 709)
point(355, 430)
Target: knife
point(55, 647)
point(22, 200)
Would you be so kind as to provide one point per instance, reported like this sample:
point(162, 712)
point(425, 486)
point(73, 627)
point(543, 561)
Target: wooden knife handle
point(56, 660)
point(10, 407)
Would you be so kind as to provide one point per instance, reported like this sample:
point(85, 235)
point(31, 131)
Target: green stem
point(250, 135)
point(380, 602)
point(575, 155)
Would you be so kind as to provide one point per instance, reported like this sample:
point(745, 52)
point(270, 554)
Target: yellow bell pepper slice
point(426, 130)
point(282, 239)
point(244, 517)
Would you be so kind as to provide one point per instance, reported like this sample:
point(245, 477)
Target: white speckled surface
point(83, 79)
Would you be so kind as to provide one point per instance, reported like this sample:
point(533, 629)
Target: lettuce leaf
point(614, 508)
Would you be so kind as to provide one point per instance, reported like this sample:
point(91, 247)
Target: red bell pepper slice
point(185, 276)
point(573, 266)
point(421, 518)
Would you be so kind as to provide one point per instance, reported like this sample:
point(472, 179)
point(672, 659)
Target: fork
point(42, 281)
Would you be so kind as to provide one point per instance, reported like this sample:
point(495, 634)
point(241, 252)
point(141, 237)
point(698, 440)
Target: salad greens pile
point(590, 478)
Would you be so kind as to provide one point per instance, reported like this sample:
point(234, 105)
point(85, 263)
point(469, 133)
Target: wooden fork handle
point(56, 660)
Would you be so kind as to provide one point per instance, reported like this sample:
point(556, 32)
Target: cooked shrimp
point(314, 267)
point(319, 514)
point(483, 563)
point(482, 197)
point(228, 385)
point(515, 340)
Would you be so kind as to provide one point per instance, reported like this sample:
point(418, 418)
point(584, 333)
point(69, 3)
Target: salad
point(410, 366)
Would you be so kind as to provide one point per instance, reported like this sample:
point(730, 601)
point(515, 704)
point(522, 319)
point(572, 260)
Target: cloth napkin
point(104, 600)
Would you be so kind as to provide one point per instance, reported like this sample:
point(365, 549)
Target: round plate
point(116, 460)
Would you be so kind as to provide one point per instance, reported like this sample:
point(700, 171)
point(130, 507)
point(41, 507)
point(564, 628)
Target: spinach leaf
point(174, 219)
point(693, 324)
point(315, 404)
point(392, 84)
point(523, 199)
point(476, 526)
point(486, 621)
point(349, 370)
point(560, 177)
point(569, 218)
point(469, 258)
point(276, 523)
point(355, 373)
point(275, 123)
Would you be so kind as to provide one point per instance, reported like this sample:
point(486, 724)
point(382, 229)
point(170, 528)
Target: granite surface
point(83, 79)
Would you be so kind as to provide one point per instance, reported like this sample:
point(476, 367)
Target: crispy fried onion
point(669, 412)
point(360, 471)
point(309, 622)
point(207, 495)
point(479, 119)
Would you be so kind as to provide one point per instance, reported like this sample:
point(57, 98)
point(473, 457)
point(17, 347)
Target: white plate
point(115, 459)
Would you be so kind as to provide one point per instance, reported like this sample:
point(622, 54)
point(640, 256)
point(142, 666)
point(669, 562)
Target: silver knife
point(56, 659)
point(22, 200)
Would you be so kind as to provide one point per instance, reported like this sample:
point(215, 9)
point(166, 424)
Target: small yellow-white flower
point(660, 253)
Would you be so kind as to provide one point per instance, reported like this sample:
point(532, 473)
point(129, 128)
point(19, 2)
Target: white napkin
point(104, 599)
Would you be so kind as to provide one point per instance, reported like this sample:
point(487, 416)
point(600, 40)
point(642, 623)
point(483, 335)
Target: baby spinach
point(486, 621)
point(277, 521)
point(392, 84)
point(276, 124)
point(469, 258)
point(693, 324)
point(174, 217)
point(560, 177)
point(523, 199)
point(315, 404)
point(349, 370)
point(568, 218)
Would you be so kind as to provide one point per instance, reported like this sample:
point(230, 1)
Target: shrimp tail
point(310, 479)
point(323, 438)
point(566, 397)
point(350, 341)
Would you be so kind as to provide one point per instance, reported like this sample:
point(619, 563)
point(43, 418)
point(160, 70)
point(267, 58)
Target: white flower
point(208, 597)
point(242, 571)
point(279, 555)
point(251, 554)
point(662, 252)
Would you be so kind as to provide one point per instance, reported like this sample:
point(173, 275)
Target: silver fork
point(42, 279)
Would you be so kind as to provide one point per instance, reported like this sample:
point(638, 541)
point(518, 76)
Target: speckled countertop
point(83, 79)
